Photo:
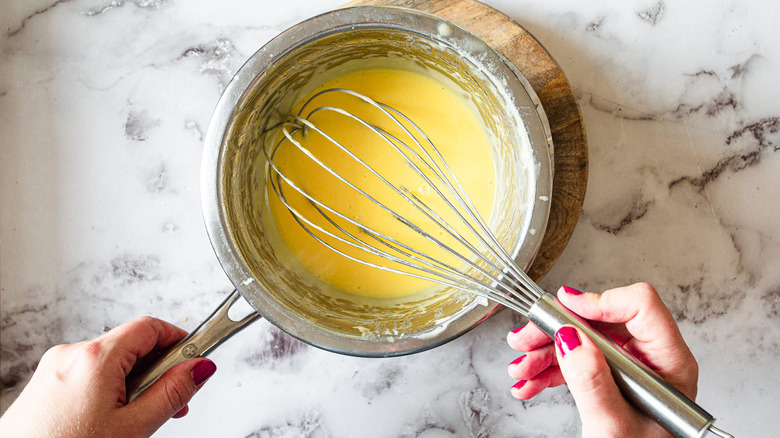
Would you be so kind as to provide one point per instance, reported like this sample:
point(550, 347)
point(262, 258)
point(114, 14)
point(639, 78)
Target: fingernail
point(202, 371)
point(567, 339)
point(517, 330)
point(519, 384)
point(518, 360)
point(571, 291)
point(181, 412)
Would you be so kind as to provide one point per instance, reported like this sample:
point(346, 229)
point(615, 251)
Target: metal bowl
point(234, 176)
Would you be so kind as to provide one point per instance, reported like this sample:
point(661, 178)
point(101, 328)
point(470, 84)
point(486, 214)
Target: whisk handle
point(639, 384)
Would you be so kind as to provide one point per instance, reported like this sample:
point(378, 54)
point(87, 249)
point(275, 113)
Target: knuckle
point(54, 352)
point(590, 378)
point(137, 322)
point(53, 357)
point(590, 384)
point(141, 321)
point(642, 295)
point(645, 291)
point(178, 394)
point(587, 380)
point(93, 349)
point(146, 319)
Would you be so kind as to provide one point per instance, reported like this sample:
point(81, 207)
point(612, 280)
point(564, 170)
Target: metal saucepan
point(234, 196)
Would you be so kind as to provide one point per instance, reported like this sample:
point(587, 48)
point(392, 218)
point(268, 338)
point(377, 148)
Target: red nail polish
point(202, 371)
point(567, 339)
point(518, 360)
point(571, 291)
point(182, 412)
point(519, 384)
point(517, 330)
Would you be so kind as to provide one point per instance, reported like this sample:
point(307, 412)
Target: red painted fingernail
point(202, 371)
point(517, 330)
point(571, 291)
point(519, 384)
point(567, 339)
point(518, 360)
point(182, 412)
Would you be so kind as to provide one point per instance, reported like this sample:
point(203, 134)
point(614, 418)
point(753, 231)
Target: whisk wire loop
point(403, 193)
point(437, 275)
point(460, 194)
point(494, 274)
point(444, 173)
point(437, 270)
point(451, 182)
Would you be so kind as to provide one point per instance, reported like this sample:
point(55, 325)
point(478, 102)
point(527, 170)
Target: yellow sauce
point(446, 117)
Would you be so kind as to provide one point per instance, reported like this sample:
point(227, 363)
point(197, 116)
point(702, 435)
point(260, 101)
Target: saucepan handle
point(639, 384)
point(210, 334)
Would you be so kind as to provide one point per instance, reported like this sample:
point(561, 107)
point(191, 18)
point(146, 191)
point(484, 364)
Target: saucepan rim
point(328, 23)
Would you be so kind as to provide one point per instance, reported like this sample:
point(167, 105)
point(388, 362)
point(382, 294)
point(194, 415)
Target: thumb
point(599, 401)
point(169, 394)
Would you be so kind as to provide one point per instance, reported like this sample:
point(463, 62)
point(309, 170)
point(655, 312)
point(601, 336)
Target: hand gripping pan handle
point(216, 329)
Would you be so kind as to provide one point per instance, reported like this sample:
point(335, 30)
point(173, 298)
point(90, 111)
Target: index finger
point(139, 337)
point(527, 338)
point(638, 306)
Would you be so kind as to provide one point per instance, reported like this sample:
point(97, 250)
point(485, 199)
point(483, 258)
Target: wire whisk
point(485, 268)
point(468, 255)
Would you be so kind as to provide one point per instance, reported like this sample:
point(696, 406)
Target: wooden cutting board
point(568, 132)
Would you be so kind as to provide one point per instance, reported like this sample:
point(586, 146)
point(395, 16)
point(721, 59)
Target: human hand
point(636, 318)
point(78, 390)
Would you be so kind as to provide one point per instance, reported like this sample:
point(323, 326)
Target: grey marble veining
point(103, 109)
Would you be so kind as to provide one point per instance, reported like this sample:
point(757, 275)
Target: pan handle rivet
point(189, 351)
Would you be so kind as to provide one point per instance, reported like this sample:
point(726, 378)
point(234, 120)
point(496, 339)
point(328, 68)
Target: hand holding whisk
point(446, 240)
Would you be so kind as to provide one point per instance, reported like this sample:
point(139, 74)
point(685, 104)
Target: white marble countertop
point(103, 107)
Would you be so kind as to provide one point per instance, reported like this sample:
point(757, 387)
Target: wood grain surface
point(551, 85)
